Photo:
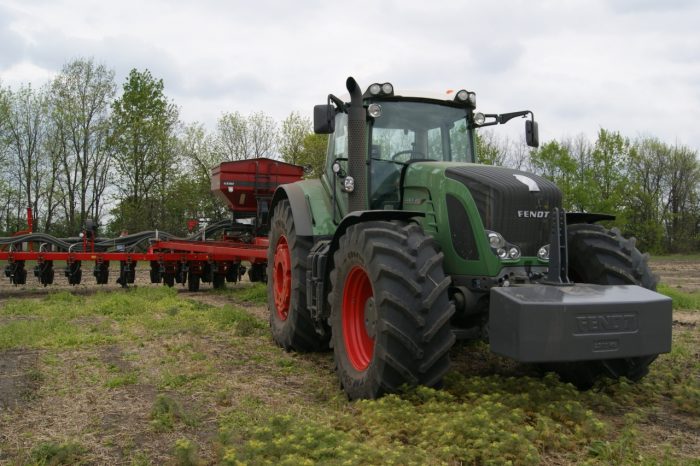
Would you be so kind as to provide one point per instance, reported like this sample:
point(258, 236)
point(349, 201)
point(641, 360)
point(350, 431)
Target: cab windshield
point(408, 131)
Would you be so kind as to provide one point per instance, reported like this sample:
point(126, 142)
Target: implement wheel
point(290, 321)
point(390, 314)
point(604, 257)
point(193, 282)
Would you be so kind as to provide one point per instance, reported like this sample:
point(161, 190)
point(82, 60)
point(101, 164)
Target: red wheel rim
point(359, 346)
point(282, 277)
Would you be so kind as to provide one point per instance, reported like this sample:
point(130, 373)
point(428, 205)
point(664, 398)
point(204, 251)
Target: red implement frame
point(244, 185)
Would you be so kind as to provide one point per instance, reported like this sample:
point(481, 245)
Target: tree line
point(652, 187)
point(76, 149)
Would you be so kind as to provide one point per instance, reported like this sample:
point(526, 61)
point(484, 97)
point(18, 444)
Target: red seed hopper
point(243, 183)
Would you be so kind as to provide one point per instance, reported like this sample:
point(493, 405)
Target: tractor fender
point(368, 216)
point(301, 212)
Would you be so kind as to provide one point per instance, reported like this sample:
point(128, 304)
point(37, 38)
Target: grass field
point(150, 375)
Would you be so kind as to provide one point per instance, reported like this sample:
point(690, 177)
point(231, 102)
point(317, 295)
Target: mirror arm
point(504, 117)
point(338, 103)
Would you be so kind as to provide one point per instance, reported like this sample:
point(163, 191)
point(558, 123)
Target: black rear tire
point(390, 313)
point(290, 321)
point(604, 257)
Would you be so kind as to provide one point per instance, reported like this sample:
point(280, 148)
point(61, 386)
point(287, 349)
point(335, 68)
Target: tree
point(24, 138)
point(607, 176)
point(295, 129)
point(241, 138)
point(313, 154)
point(196, 152)
point(263, 135)
point(490, 150)
point(142, 142)
point(553, 160)
point(81, 95)
point(6, 194)
point(649, 158)
point(681, 207)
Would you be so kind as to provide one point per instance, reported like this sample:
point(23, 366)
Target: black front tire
point(390, 312)
point(290, 321)
point(604, 257)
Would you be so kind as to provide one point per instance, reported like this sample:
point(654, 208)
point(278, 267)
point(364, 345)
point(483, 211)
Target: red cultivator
point(212, 255)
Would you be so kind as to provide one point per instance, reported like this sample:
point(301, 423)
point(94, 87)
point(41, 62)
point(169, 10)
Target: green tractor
point(405, 244)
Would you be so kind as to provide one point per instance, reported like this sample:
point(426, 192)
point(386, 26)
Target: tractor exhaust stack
point(357, 147)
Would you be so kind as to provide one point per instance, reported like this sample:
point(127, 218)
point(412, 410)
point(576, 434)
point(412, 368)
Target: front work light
point(374, 110)
point(349, 184)
point(466, 96)
point(377, 89)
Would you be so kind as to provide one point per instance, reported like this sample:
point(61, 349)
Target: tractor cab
point(401, 128)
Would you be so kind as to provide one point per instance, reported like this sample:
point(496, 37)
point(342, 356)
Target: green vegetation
point(256, 293)
point(54, 454)
point(186, 453)
point(143, 376)
point(167, 412)
point(121, 380)
point(681, 299)
point(62, 320)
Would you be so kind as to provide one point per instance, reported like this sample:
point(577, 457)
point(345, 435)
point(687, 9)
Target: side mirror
point(532, 135)
point(324, 119)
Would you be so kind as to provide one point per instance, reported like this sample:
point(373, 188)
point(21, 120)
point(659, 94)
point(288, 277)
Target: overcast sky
point(626, 65)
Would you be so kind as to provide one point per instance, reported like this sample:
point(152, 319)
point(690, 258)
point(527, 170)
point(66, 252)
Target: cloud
point(12, 44)
point(496, 56)
point(650, 6)
point(632, 65)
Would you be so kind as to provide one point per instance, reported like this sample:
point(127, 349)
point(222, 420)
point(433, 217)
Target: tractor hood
point(514, 203)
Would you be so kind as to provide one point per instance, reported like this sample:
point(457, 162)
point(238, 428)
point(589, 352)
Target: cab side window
point(338, 144)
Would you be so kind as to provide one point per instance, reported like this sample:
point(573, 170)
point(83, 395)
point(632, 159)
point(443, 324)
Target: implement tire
point(604, 257)
point(290, 321)
point(390, 313)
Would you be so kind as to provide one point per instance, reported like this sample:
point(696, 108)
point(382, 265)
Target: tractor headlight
point(479, 118)
point(349, 184)
point(503, 249)
point(463, 95)
point(496, 240)
point(387, 88)
point(375, 89)
point(543, 253)
point(514, 253)
point(374, 110)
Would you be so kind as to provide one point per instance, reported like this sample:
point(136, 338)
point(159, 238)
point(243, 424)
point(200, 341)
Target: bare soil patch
point(684, 275)
point(19, 378)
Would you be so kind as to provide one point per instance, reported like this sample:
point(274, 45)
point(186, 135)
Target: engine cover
point(514, 203)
